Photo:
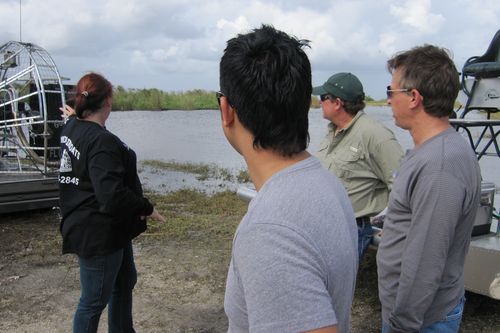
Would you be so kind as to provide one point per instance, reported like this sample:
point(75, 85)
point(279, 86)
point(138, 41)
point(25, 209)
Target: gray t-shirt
point(427, 232)
point(294, 260)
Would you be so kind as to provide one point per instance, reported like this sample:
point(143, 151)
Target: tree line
point(155, 99)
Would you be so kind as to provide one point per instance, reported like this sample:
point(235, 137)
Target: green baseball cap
point(345, 86)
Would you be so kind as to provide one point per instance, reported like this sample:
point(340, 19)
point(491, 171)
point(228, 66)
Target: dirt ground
point(180, 286)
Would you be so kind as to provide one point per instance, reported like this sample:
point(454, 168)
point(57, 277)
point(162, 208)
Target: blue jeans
point(449, 324)
point(365, 235)
point(106, 280)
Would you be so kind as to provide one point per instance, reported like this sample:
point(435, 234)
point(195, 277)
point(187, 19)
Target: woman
point(102, 207)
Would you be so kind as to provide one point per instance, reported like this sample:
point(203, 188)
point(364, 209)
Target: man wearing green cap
point(360, 151)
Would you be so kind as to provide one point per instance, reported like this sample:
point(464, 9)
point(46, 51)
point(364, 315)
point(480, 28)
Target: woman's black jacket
point(101, 196)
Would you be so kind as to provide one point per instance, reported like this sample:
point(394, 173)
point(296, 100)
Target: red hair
point(90, 93)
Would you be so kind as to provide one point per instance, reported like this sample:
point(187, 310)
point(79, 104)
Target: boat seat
point(481, 86)
point(487, 65)
point(482, 69)
point(480, 80)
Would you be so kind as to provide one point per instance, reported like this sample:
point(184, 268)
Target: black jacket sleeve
point(107, 171)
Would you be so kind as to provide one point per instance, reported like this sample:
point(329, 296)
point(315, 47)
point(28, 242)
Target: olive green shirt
point(364, 156)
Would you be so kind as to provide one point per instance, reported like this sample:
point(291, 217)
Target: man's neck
point(263, 164)
point(342, 120)
point(428, 127)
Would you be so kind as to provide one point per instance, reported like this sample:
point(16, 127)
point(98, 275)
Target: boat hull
point(21, 192)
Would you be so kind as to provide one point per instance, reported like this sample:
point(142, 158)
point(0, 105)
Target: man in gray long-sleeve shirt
point(433, 202)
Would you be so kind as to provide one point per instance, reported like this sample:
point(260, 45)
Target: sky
point(176, 45)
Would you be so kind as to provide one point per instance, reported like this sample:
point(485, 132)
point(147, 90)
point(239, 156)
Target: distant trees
point(197, 99)
point(155, 99)
point(315, 104)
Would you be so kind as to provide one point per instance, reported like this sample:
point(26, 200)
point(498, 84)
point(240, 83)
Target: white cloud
point(418, 15)
point(138, 58)
point(161, 55)
point(387, 43)
point(240, 24)
point(176, 45)
point(123, 14)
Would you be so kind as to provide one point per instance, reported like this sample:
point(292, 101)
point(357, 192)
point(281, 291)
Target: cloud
point(387, 43)
point(417, 15)
point(240, 24)
point(176, 44)
point(138, 58)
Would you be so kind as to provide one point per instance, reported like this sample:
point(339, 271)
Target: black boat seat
point(487, 65)
point(482, 69)
point(481, 84)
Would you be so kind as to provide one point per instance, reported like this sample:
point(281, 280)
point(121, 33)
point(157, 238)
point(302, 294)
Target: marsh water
point(197, 137)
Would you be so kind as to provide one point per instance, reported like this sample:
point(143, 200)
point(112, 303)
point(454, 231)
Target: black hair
point(266, 76)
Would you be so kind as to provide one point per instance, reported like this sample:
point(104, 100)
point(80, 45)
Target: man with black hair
point(362, 152)
point(433, 201)
point(293, 265)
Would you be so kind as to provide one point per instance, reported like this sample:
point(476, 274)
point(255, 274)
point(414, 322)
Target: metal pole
point(20, 21)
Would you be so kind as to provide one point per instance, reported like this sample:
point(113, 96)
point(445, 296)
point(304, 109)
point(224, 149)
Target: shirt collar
point(332, 126)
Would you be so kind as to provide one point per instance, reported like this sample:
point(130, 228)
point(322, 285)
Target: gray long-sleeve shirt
point(427, 232)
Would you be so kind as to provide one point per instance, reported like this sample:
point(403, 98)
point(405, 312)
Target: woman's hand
point(155, 215)
point(67, 111)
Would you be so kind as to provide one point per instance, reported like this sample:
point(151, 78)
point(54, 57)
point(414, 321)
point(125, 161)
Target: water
point(197, 137)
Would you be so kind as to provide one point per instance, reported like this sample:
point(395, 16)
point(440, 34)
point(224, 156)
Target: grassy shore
point(192, 214)
point(155, 99)
point(158, 100)
point(201, 170)
point(197, 216)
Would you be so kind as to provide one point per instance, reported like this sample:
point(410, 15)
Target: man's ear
point(227, 112)
point(416, 98)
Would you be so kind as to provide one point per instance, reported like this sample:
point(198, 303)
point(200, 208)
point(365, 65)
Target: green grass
point(155, 99)
point(243, 177)
point(198, 99)
point(315, 103)
point(382, 102)
point(194, 215)
point(203, 171)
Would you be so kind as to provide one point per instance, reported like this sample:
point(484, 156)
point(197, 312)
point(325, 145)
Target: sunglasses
point(218, 95)
point(391, 92)
point(325, 97)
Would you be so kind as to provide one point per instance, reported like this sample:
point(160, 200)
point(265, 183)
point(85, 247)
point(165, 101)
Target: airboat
point(31, 92)
point(481, 93)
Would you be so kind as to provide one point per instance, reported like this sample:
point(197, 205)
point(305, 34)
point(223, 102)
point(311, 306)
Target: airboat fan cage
point(31, 92)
